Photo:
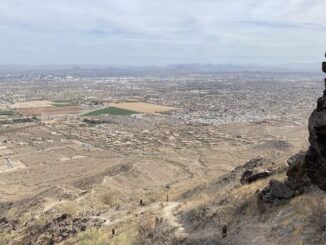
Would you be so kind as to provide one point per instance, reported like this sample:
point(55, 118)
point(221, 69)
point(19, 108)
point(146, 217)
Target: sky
point(161, 32)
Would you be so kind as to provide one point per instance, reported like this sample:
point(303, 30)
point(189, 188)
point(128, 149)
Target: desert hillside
point(192, 166)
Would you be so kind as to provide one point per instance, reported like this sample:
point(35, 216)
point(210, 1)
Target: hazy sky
point(159, 32)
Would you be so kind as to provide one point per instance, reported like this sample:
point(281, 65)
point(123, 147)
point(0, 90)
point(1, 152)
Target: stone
point(260, 202)
point(224, 231)
point(296, 172)
point(248, 176)
point(267, 198)
point(280, 190)
point(293, 184)
point(61, 228)
point(266, 190)
point(254, 163)
point(314, 163)
point(245, 175)
point(65, 234)
point(4, 220)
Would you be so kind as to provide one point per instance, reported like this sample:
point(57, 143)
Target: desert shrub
point(125, 235)
point(110, 198)
point(154, 231)
point(69, 207)
point(91, 237)
point(25, 218)
point(318, 212)
point(6, 237)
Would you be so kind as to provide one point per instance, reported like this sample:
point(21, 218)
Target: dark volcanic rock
point(295, 170)
point(303, 168)
point(4, 220)
point(280, 190)
point(324, 67)
point(254, 163)
point(274, 193)
point(57, 229)
point(314, 163)
point(249, 176)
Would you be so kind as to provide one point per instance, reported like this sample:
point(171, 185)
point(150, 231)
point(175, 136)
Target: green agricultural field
point(62, 103)
point(110, 111)
point(6, 113)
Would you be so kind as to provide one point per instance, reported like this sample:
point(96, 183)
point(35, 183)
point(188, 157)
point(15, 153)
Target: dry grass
point(197, 201)
point(25, 218)
point(6, 237)
point(103, 198)
point(153, 231)
point(318, 211)
point(154, 195)
point(69, 207)
point(127, 234)
point(110, 198)
point(227, 205)
point(92, 237)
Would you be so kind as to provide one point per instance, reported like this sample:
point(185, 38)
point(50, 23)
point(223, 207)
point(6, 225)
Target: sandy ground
point(142, 107)
point(32, 104)
point(64, 159)
point(181, 168)
point(49, 110)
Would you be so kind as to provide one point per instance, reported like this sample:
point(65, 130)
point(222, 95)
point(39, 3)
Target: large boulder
point(280, 190)
point(314, 162)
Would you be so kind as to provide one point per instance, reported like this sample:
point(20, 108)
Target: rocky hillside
point(209, 194)
point(265, 202)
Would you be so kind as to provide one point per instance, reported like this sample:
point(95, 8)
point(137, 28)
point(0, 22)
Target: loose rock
point(280, 190)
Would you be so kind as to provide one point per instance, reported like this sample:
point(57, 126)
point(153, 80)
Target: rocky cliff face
point(314, 163)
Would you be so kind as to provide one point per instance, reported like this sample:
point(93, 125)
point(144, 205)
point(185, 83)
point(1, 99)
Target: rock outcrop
point(313, 164)
point(305, 167)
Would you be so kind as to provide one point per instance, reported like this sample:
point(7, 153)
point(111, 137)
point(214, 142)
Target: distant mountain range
point(170, 69)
